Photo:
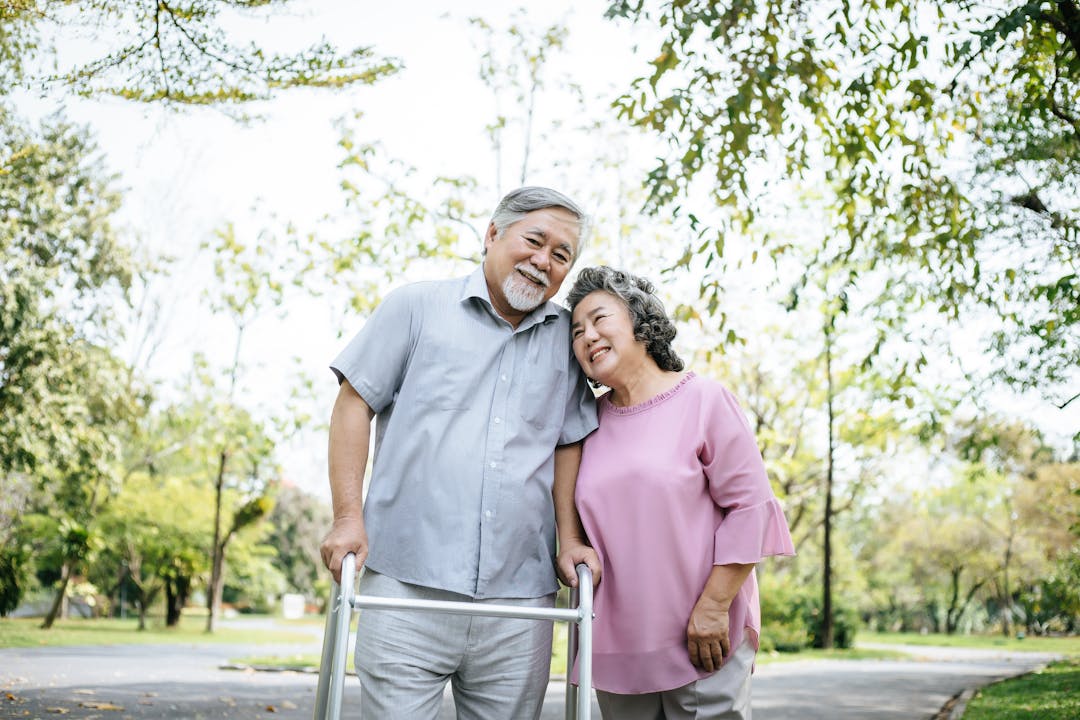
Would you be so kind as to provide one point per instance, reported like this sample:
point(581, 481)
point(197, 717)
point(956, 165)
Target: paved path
point(881, 689)
point(174, 682)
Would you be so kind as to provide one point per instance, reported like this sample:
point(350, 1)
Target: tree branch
point(1063, 405)
point(1070, 28)
point(195, 43)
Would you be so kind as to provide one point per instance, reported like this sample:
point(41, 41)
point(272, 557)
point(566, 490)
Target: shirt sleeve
point(753, 525)
point(375, 359)
point(579, 418)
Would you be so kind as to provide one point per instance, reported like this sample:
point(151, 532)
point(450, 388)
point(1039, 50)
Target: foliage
point(63, 265)
point(240, 450)
point(65, 400)
point(254, 583)
point(792, 617)
point(181, 52)
point(399, 217)
point(298, 523)
point(152, 522)
point(783, 624)
point(13, 575)
point(516, 73)
point(845, 622)
point(981, 547)
point(944, 137)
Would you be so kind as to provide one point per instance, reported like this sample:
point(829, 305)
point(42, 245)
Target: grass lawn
point(855, 653)
point(27, 632)
point(1061, 645)
point(1052, 694)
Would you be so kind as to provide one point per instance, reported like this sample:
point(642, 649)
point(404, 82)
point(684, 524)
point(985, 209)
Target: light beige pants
point(498, 667)
point(724, 695)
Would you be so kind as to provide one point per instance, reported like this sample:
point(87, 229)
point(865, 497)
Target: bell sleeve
point(752, 525)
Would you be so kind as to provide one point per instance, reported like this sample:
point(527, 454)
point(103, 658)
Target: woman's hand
point(707, 637)
point(707, 634)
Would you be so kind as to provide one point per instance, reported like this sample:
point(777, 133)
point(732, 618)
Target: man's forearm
point(350, 434)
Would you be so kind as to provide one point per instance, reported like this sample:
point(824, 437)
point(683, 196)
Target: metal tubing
point(571, 655)
point(467, 608)
point(322, 693)
point(345, 600)
point(341, 635)
point(585, 618)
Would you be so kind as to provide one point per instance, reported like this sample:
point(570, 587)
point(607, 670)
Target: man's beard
point(522, 294)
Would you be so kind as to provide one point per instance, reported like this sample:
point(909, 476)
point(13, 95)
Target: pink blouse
point(666, 490)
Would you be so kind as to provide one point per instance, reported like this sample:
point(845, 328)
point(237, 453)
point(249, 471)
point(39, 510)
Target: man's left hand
point(569, 558)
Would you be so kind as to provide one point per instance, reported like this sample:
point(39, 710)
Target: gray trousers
point(498, 667)
point(724, 695)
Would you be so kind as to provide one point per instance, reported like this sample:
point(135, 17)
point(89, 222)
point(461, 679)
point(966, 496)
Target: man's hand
point(707, 634)
point(569, 557)
point(347, 535)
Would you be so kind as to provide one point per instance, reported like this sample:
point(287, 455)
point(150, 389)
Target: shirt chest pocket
point(445, 376)
point(543, 402)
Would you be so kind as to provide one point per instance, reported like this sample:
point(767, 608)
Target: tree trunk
point(142, 613)
point(952, 615)
point(1006, 604)
point(213, 599)
point(935, 616)
point(217, 586)
point(176, 595)
point(826, 571)
point(61, 593)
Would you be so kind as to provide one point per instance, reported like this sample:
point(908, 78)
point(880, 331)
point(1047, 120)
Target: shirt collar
point(476, 287)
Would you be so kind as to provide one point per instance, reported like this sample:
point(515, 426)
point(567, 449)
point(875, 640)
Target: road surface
point(186, 681)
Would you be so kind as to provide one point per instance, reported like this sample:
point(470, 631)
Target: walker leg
point(571, 653)
point(336, 644)
point(328, 652)
point(585, 618)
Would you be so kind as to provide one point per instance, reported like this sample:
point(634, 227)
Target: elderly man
point(481, 409)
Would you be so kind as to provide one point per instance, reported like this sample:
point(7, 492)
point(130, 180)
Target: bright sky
point(187, 173)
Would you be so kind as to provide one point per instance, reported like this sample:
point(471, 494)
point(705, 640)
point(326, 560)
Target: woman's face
point(603, 338)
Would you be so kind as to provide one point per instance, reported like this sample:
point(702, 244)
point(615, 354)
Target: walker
point(344, 600)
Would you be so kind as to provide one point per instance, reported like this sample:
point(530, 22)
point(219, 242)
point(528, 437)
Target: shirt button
point(503, 377)
point(488, 514)
point(498, 420)
point(494, 464)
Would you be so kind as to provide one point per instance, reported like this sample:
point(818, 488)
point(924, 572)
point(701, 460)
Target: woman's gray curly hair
point(652, 326)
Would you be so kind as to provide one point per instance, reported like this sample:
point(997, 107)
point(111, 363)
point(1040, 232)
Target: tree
point(945, 136)
point(175, 52)
point(155, 520)
point(64, 398)
point(980, 540)
point(1009, 456)
point(252, 279)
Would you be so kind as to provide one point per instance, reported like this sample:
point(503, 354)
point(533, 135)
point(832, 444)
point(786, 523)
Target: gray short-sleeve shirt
point(468, 414)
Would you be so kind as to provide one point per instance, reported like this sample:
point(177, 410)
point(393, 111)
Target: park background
point(863, 215)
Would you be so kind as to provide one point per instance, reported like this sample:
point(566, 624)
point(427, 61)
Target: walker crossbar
point(343, 600)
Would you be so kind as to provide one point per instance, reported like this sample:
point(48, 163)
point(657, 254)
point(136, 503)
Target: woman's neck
point(644, 383)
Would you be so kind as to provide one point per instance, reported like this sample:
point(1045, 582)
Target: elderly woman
point(674, 497)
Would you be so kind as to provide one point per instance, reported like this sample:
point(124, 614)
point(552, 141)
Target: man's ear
point(490, 236)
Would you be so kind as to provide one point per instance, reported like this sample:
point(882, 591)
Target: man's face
point(525, 266)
